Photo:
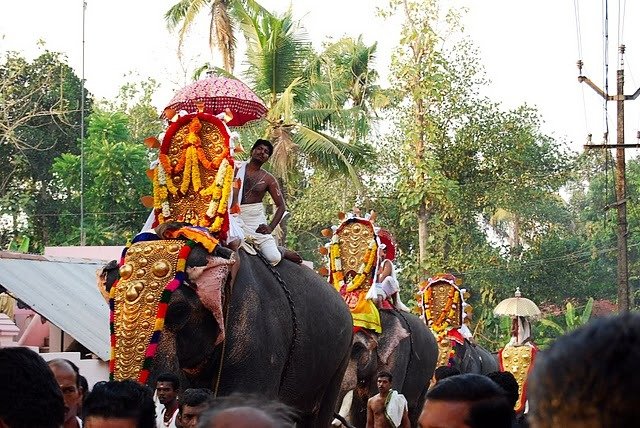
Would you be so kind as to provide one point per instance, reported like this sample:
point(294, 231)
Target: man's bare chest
point(255, 184)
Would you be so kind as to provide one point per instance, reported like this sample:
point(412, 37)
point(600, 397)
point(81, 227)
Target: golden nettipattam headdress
point(193, 178)
point(442, 302)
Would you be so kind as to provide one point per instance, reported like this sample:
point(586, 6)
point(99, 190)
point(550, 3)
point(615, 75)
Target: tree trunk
point(422, 231)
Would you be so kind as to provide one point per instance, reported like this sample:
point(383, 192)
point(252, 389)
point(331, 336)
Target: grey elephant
point(287, 337)
point(406, 348)
point(473, 358)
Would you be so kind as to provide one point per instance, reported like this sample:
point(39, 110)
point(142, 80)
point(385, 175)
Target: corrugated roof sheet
point(64, 291)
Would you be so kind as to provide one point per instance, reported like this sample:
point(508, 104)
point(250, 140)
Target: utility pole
point(620, 176)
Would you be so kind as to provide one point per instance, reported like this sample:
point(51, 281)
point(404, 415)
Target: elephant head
point(371, 353)
point(193, 321)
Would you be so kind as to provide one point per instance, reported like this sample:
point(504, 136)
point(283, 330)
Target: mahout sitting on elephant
point(519, 355)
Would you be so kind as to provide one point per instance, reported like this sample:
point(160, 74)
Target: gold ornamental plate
point(355, 237)
point(148, 267)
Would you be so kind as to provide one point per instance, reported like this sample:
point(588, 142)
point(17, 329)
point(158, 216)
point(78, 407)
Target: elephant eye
point(177, 314)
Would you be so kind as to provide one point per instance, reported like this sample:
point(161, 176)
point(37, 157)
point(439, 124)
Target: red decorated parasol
point(219, 93)
point(387, 239)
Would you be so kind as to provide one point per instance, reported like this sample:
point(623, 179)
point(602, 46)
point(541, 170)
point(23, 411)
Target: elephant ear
point(209, 281)
point(391, 336)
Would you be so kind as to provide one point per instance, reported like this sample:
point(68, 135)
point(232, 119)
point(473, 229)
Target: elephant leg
point(330, 396)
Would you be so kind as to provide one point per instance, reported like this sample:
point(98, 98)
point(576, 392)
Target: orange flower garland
point(220, 191)
point(190, 159)
point(443, 323)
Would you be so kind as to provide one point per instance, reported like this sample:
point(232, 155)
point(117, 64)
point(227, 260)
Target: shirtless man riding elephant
point(255, 183)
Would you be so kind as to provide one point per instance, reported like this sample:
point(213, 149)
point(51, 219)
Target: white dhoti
point(388, 287)
point(251, 216)
point(394, 408)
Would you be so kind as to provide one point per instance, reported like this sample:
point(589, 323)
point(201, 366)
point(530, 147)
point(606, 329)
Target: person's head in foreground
point(119, 404)
point(68, 378)
point(589, 377)
point(247, 411)
point(193, 402)
point(508, 382)
point(443, 372)
point(29, 394)
point(466, 401)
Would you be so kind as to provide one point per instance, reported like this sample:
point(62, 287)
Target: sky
point(529, 49)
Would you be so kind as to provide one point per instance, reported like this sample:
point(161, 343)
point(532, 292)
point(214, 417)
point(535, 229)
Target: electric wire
point(605, 48)
point(538, 262)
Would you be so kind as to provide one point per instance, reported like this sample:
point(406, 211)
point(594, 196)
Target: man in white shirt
point(167, 386)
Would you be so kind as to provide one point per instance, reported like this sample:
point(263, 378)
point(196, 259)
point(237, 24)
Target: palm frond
point(283, 108)
point(277, 50)
point(331, 154)
point(217, 71)
point(183, 14)
point(176, 14)
point(315, 118)
point(221, 32)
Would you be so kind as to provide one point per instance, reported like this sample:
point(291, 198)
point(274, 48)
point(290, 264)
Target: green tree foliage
point(39, 119)
point(477, 187)
point(114, 170)
point(551, 329)
point(114, 181)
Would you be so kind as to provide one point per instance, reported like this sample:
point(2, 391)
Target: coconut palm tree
point(182, 15)
point(306, 104)
point(317, 103)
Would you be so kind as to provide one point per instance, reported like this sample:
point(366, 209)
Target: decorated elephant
point(287, 336)
point(230, 321)
point(405, 348)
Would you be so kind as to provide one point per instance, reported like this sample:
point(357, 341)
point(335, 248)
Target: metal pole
point(82, 231)
point(621, 201)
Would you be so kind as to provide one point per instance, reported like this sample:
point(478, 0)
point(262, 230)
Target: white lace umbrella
point(517, 306)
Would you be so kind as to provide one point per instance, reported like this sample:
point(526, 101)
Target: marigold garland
point(190, 159)
point(335, 263)
point(220, 190)
point(443, 323)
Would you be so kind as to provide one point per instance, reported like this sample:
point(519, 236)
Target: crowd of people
point(37, 394)
point(586, 378)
